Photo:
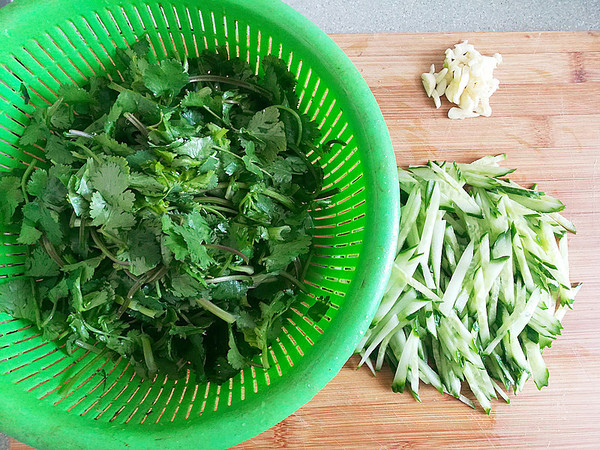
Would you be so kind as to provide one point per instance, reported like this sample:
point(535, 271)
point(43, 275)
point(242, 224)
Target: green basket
point(44, 44)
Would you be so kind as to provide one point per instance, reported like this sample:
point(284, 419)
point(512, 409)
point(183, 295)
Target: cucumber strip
point(483, 170)
point(397, 282)
point(409, 350)
point(408, 215)
point(480, 296)
point(413, 370)
point(382, 351)
point(484, 249)
point(516, 322)
point(492, 305)
point(539, 371)
point(424, 247)
point(491, 271)
point(545, 203)
point(489, 160)
point(455, 284)
point(378, 337)
point(407, 305)
point(545, 323)
point(563, 222)
point(466, 400)
point(478, 390)
point(406, 179)
point(522, 262)
point(461, 300)
point(430, 320)
point(429, 376)
point(501, 392)
point(437, 243)
point(370, 366)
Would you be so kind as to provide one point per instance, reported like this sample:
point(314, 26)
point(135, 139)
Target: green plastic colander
point(47, 43)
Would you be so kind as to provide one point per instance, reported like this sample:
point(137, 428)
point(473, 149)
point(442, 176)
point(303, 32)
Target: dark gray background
point(355, 16)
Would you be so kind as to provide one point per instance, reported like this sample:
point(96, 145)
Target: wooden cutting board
point(546, 117)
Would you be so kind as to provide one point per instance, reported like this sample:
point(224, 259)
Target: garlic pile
point(467, 80)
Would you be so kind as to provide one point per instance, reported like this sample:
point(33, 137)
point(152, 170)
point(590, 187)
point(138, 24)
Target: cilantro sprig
point(171, 223)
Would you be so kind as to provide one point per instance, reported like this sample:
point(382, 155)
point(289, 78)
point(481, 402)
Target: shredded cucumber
point(479, 286)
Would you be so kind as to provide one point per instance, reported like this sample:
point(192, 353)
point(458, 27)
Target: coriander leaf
point(267, 129)
point(74, 94)
point(198, 148)
point(165, 78)
point(146, 184)
point(33, 133)
point(195, 232)
point(143, 250)
point(39, 264)
point(279, 81)
point(38, 182)
point(318, 310)
point(112, 146)
point(47, 220)
point(197, 98)
point(208, 180)
point(185, 286)
point(109, 216)
point(111, 178)
point(229, 290)
point(29, 234)
point(10, 187)
point(234, 357)
point(251, 161)
point(282, 172)
point(62, 117)
point(17, 299)
point(283, 253)
point(177, 245)
point(57, 151)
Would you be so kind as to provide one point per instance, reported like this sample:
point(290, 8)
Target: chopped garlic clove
point(441, 87)
point(458, 113)
point(441, 75)
point(436, 99)
point(428, 83)
point(466, 79)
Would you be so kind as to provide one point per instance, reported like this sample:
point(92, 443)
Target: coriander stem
point(327, 145)
point(298, 121)
point(285, 201)
point(220, 313)
point(244, 269)
point(49, 247)
point(229, 249)
point(148, 355)
point(137, 307)
point(228, 278)
point(136, 123)
point(25, 178)
point(105, 250)
point(294, 280)
point(231, 81)
point(88, 152)
point(215, 200)
point(212, 113)
point(217, 209)
point(69, 384)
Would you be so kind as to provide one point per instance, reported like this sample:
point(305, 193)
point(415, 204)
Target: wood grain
point(546, 118)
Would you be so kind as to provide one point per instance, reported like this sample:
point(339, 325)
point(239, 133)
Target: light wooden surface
point(546, 117)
